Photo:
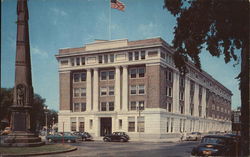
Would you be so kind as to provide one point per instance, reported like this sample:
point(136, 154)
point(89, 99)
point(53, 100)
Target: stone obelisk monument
point(23, 91)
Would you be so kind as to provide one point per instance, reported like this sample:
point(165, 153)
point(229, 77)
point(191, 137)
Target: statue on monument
point(20, 95)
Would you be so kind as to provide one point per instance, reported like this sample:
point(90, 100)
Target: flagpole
point(109, 20)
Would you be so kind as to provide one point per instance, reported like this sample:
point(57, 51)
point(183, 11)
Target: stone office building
point(133, 86)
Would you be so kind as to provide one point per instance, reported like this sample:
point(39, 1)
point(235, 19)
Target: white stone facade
point(102, 93)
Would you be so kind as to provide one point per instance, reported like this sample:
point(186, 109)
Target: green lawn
point(28, 150)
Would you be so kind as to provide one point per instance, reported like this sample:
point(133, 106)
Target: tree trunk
point(244, 88)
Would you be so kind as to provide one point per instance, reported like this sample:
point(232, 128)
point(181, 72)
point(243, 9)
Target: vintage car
point(216, 145)
point(59, 137)
point(116, 136)
point(84, 136)
point(193, 136)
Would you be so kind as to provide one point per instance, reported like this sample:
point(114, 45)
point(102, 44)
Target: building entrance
point(106, 126)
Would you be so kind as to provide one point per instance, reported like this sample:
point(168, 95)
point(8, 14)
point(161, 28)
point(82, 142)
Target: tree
point(222, 27)
point(37, 112)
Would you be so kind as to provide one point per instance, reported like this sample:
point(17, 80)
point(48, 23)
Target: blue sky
point(55, 24)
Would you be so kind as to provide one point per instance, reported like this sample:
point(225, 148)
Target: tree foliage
point(37, 112)
point(221, 27)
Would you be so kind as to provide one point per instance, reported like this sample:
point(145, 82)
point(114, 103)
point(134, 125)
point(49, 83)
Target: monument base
point(22, 139)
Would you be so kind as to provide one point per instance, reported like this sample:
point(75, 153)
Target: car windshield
point(213, 140)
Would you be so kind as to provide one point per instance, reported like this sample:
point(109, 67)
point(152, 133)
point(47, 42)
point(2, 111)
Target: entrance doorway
point(106, 126)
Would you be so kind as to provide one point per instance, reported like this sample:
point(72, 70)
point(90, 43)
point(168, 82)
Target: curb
point(42, 153)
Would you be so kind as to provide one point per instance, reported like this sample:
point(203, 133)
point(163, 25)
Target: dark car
point(84, 136)
point(116, 136)
point(59, 137)
point(215, 145)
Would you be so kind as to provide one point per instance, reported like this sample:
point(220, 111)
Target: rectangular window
point(120, 123)
point(169, 107)
point(111, 106)
point(83, 60)
point(83, 76)
point(103, 106)
point(103, 75)
point(136, 55)
point(83, 92)
point(130, 56)
point(131, 124)
point(133, 90)
point(100, 59)
point(73, 123)
point(170, 76)
point(143, 55)
point(133, 105)
point(181, 95)
point(132, 73)
point(141, 72)
point(106, 59)
point(167, 125)
point(76, 107)
point(111, 90)
point(76, 77)
point(83, 106)
point(91, 123)
point(169, 91)
point(81, 126)
point(141, 105)
point(140, 124)
point(103, 91)
point(72, 60)
point(172, 124)
point(77, 61)
point(182, 82)
point(76, 92)
point(141, 89)
point(64, 62)
point(111, 58)
point(111, 75)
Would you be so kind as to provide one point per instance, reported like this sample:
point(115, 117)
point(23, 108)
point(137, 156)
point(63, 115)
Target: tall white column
point(125, 88)
point(95, 89)
point(175, 92)
point(89, 90)
point(203, 102)
point(187, 96)
point(196, 99)
point(117, 88)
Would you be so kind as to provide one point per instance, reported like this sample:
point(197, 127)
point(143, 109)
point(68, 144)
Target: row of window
point(136, 55)
point(107, 91)
point(110, 75)
point(107, 106)
point(137, 89)
point(140, 124)
point(136, 105)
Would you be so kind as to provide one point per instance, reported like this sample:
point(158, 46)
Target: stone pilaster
point(187, 96)
point(117, 88)
point(175, 92)
point(89, 90)
point(95, 89)
point(125, 88)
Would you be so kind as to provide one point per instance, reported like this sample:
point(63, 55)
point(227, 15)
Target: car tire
point(122, 140)
point(50, 140)
point(106, 140)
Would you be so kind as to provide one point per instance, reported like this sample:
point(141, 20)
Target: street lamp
point(140, 108)
point(53, 129)
point(46, 109)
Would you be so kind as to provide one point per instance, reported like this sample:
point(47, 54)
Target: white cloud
point(36, 51)
point(148, 30)
point(59, 12)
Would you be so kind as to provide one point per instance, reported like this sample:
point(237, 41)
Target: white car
point(193, 136)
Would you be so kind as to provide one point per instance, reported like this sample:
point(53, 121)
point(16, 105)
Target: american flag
point(117, 5)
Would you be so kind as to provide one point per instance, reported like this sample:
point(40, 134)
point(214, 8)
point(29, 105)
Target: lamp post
point(53, 125)
point(46, 108)
point(140, 108)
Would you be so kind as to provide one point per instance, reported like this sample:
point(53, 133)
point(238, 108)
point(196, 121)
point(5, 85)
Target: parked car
point(194, 136)
point(116, 136)
point(84, 136)
point(215, 145)
point(6, 131)
point(59, 137)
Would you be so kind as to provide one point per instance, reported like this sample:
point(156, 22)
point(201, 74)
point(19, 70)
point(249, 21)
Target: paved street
point(131, 149)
